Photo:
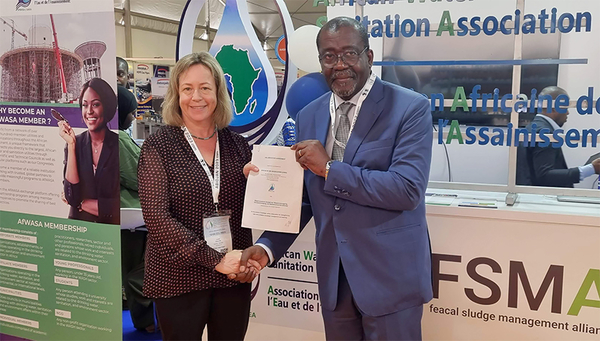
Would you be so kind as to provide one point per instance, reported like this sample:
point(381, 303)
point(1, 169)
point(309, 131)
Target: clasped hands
point(243, 266)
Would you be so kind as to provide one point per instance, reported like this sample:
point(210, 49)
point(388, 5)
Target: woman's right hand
point(66, 132)
point(230, 263)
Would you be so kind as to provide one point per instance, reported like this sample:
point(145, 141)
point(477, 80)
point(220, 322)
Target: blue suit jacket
point(370, 213)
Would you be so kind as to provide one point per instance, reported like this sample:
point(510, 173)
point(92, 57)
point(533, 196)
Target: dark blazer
point(544, 166)
point(103, 186)
point(370, 213)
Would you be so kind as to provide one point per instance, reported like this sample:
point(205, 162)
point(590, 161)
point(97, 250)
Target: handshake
point(243, 266)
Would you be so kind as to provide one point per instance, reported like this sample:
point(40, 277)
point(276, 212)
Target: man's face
point(122, 77)
point(345, 80)
point(560, 119)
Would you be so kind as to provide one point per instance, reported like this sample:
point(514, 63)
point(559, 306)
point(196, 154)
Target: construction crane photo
point(11, 24)
point(41, 70)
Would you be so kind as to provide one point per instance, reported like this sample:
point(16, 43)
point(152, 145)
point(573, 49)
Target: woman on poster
point(91, 173)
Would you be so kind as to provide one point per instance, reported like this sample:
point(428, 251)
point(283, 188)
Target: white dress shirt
point(338, 101)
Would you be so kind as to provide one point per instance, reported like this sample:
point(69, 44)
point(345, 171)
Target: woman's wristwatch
point(327, 166)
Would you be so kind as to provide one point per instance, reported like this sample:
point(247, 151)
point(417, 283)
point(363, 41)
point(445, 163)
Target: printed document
point(274, 194)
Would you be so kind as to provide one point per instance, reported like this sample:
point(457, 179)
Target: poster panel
point(159, 86)
point(59, 187)
point(143, 73)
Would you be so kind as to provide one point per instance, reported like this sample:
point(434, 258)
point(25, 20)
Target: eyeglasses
point(349, 57)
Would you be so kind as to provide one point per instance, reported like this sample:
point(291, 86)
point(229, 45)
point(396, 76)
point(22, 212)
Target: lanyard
point(215, 182)
point(332, 108)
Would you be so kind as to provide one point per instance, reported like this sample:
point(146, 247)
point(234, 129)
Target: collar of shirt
point(551, 121)
point(353, 100)
point(338, 102)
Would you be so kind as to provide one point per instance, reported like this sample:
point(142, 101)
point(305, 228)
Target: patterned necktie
point(342, 132)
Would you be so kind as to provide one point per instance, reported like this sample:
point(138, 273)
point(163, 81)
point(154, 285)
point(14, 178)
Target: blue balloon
point(305, 90)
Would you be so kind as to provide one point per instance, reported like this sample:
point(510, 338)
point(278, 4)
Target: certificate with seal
point(274, 194)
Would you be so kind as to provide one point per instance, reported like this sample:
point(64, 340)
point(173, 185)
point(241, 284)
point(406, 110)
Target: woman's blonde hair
point(172, 112)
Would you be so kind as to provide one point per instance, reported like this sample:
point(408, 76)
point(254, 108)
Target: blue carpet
point(131, 334)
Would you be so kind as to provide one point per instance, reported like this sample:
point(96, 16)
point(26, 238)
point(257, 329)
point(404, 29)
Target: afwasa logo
point(241, 75)
point(517, 278)
point(22, 4)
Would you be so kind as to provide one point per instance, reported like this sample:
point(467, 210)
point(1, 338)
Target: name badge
point(217, 232)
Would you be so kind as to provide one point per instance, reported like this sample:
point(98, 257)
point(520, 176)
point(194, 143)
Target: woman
point(191, 184)
point(91, 174)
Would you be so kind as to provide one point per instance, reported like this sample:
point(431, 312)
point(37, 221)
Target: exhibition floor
point(131, 334)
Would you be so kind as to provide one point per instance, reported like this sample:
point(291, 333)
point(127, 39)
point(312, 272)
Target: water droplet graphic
point(259, 113)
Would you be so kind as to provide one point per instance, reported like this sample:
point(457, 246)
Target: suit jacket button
point(336, 207)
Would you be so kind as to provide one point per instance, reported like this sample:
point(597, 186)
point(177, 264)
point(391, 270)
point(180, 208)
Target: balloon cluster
point(302, 52)
point(305, 90)
point(302, 48)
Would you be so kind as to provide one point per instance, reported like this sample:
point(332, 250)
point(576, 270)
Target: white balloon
point(302, 48)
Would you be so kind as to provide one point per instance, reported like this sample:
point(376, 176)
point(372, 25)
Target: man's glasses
point(349, 57)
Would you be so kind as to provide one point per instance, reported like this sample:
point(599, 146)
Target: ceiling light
point(204, 36)
point(265, 45)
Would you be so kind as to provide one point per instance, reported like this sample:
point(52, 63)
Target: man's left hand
point(311, 154)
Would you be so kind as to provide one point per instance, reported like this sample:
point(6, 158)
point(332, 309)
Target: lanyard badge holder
point(217, 231)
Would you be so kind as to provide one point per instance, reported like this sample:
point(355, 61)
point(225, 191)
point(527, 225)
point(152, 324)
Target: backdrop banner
point(60, 276)
point(509, 280)
point(512, 279)
point(287, 293)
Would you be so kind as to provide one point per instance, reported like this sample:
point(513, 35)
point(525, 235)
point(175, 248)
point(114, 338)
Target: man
point(122, 72)
point(366, 194)
point(133, 244)
point(546, 166)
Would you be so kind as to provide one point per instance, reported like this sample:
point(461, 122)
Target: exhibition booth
point(511, 259)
